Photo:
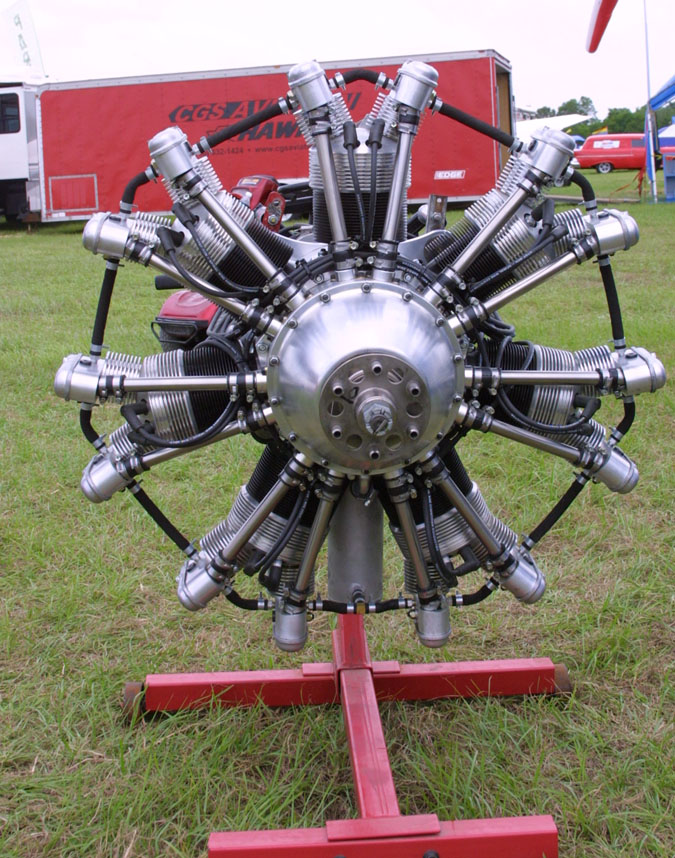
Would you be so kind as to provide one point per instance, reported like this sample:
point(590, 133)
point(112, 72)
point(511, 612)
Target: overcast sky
point(544, 40)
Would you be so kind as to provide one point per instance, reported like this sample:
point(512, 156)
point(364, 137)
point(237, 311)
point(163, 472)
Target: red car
point(607, 152)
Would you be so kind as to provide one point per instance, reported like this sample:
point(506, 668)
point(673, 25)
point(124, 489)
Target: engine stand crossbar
point(359, 684)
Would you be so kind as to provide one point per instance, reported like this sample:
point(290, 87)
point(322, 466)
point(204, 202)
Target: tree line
point(619, 120)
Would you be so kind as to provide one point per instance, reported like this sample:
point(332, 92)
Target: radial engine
point(362, 350)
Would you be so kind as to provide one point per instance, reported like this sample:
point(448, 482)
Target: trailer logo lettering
point(449, 174)
point(234, 111)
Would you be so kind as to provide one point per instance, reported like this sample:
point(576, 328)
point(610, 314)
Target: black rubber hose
point(230, 131)
point(246, 604)
point(85, 425)
point(545, 240)
point(351, 142)
point(369, 75)
point(627, 420)
point(130, 190)
point(160, 519)
point(103, 307)
point(470, 121)
point(612, 301)
point(587, 192)
point(473, 598)
point(556, 513)
point(528, 422)
point(188, 220)
point(432, 539)
point(282, 540)
point(374, 142)
point(131, 416)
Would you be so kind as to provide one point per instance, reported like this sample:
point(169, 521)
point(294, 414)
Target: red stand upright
point(358, 684)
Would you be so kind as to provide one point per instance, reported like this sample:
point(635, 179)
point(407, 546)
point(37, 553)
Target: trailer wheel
point(604, 167)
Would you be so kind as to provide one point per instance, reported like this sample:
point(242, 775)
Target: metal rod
point(480, 242)
point(454, 494)
point(241, 382)
point(314, 543)
point(539, 442)
point(464, 321)
point(522, 286)
point(331, 188)
point(401, 168)
point(164, 454)
point(407, 523)
point(239, 235)
point(492, 377)
point(253, 522)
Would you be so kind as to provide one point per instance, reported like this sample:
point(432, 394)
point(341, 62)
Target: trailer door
point(13, 140)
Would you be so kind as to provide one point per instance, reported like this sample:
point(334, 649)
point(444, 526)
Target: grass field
point(88, 602)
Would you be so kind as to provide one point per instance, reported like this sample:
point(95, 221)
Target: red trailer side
point(94, 134)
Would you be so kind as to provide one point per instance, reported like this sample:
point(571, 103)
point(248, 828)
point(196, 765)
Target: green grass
point(88, 603)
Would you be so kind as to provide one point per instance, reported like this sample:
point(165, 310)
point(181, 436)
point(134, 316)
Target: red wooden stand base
point(358, 684)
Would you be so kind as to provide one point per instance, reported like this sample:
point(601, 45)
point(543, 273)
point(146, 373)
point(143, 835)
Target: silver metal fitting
point(641, 370)
point(522, 577)
point(551, 153)
point(309, 85)
point(198, 583)
point(290, 626)
point(414, 84)
point(101, 478)
point(432, 622)
point(615, 470)
point(171, 153)
point(77, 378)
point(613, 230)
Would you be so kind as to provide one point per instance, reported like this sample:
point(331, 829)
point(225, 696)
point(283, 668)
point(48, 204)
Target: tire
point(604, 167)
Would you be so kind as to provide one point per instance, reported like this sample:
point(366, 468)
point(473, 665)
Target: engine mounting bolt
point(407, 296)
point(457, 397)
point(274, 400)
point(458, 358)
point(336, 432)
point(274, 360)
point(325, 297)
point(325, 463)
point(262, 347)
point(292, 323)
point(439, 436)
point(440, 321)
point(365, 288)
point(413, 432)
point(370, 259)
point(338, 389)
point(292, 436)
point(353, 245)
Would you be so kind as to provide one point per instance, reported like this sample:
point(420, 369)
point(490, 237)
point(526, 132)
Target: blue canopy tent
point(662, 97)
point(667, 136)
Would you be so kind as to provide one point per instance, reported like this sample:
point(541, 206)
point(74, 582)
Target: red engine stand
point(358, 684)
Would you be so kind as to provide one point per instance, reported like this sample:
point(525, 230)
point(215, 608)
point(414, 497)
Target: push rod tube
point(314, 542)
point(203, 287)
point(398, 182)
point(476, 377)
point(282, 486)
point(237, 383)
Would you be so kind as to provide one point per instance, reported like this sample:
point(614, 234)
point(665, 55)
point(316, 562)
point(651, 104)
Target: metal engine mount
point(362, 355)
